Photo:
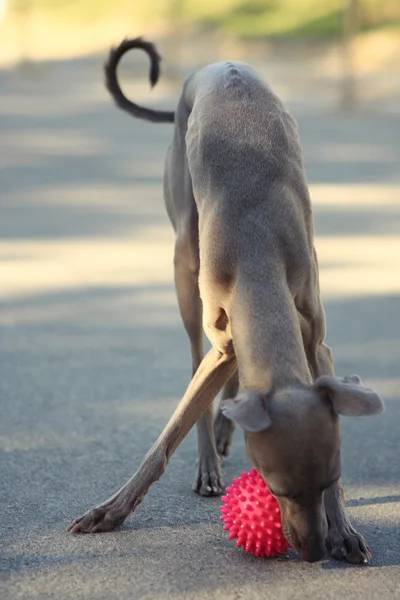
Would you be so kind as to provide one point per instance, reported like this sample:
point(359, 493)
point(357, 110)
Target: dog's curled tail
point(110, 70)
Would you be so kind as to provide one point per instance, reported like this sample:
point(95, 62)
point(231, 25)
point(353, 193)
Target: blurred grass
point(241, 18)
point(82, 11)
point(299, 18)
point(279, 18)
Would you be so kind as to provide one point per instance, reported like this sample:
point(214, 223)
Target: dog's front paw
point(208, 476)
point(345, 543)
point(223, 432)
point(102, 518)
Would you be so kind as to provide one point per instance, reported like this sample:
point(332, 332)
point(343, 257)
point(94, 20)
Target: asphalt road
point(93, 356)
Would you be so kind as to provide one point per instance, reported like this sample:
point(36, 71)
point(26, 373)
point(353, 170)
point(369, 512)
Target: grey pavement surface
point(93, 357)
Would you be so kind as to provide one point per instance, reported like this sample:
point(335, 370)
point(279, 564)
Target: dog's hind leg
point(208, 476)
point(224, 427)
point(182, 209)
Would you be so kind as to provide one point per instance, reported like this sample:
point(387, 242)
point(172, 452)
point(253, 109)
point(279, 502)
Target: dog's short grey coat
point(246, 271)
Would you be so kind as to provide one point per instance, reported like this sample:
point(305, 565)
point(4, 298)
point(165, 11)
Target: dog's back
point(239, 133)
point(247, 173)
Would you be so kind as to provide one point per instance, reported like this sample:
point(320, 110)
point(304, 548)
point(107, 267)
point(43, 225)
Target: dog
point(246, 271)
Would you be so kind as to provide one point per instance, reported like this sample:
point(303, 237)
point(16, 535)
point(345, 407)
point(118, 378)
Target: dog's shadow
point(376, 532)
point(371, 501)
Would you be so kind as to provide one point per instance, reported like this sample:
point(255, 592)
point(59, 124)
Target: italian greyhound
point(246, 271)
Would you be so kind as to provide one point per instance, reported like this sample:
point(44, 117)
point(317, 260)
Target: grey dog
point(246, 271)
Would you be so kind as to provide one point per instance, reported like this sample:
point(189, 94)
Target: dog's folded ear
point(349, 397)
point(249, 410)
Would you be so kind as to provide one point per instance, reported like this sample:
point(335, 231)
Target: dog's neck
point(268, 341)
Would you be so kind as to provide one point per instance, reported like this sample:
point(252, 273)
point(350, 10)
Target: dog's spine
point(110, 70)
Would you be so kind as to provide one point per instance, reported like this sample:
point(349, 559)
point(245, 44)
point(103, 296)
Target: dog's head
point(293, 440)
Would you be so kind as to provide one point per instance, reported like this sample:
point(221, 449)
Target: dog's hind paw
point(223, 432)
point(208, 477)
point(100, 519)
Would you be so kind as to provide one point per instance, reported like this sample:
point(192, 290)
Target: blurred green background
point(243, 18)
point(54, 28)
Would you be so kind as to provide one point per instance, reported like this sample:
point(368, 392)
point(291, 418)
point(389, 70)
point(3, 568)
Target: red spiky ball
point(252, 516)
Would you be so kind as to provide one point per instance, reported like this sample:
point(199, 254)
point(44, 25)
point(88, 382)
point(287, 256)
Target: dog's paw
point(223, 432)
point(346, 544)
point(208, 477)
point(100, 519)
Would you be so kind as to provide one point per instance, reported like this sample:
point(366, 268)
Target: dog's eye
point(292, 496)
point(288, 495)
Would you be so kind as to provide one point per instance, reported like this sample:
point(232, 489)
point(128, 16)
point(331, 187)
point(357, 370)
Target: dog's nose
point(313, 551)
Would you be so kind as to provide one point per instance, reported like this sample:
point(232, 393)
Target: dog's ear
point(249, 410)
point(349, 397)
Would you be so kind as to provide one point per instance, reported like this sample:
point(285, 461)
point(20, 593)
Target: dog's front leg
point(343, 541)
point(214, 371)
